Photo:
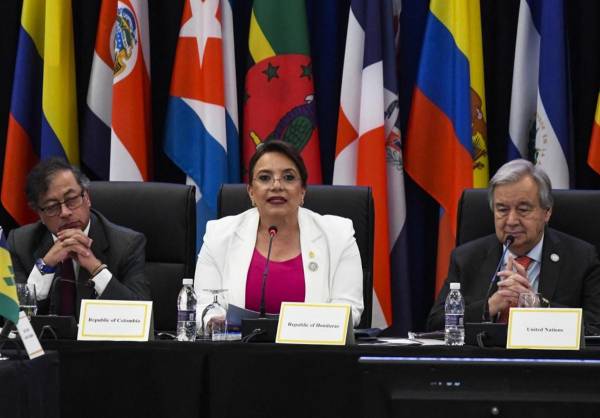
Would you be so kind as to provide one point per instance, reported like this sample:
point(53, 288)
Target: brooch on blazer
point(312, 266)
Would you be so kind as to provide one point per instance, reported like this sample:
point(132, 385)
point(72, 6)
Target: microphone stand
point(489, 331)
point(262, 329)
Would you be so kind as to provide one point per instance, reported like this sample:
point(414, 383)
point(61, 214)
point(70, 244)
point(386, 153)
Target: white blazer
point(326, 240)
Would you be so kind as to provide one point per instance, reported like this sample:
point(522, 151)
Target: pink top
point(285, 282)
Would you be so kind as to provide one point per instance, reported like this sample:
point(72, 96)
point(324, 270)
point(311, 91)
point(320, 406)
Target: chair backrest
point(166, 214)
point(575, 212)
point(352, 202)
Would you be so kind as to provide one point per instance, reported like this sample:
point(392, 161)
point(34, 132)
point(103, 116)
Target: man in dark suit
point(73, 252)
point(564, 269)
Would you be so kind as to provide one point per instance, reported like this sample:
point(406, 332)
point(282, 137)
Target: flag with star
point(9, 304)
point(201, 134)
point(279, 97)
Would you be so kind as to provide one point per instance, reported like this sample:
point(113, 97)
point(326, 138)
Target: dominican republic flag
point(594, 152)
point(446, 146)
point(539, 126)
point(116, 140)
point(43, 111)
point(368, 146)
point(201, 134)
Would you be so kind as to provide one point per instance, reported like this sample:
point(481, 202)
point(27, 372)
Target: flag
point(446, 146)
point(539, 110)
point(43, 112)
point(279, 97)
point(594, 152)
point(201, 134)
point(116, 139)
point(368, 146)
point(9, 303)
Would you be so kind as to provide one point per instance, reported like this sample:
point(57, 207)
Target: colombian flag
point(279, 100)
point(594, 152)
point(9, 304)
point(446, 149)
point(43, 112)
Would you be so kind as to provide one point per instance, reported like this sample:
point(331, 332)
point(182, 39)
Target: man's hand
point(75, 244)
point(510, 285)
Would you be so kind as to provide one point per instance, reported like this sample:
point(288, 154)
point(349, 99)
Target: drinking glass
point(212, 306)
point(27, 300)
point(529, 300)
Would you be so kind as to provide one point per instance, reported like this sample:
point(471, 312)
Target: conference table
point(29, 388)
point(234, 379)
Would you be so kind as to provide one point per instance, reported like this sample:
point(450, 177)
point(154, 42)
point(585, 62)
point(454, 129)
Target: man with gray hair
point(564, 269)
point(73, 252)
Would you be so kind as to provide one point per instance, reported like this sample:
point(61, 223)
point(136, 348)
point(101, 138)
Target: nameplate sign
point(114, 320)
point(544, 328)
point(27, 334)
point(314, 323)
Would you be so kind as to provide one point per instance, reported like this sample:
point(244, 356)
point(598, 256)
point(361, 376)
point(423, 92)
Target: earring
point(252, 201)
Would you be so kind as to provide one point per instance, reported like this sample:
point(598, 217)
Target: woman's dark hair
point(40, 176)
point(280, 147)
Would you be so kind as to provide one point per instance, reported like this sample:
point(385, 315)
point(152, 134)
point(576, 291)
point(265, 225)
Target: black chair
point(353, 202)
point(166, 214)
point(575, 212)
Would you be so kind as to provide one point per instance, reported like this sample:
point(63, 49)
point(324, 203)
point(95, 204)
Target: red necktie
point(524, 261)
point(67, 288)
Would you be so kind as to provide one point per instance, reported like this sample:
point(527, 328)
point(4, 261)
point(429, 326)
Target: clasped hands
point(75, 244)
point(513, 281)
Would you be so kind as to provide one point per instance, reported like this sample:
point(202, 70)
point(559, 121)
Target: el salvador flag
point(201, 134)
point(539, 126)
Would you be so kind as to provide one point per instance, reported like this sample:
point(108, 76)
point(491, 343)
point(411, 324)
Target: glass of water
point(212, 307)
point(27, 298)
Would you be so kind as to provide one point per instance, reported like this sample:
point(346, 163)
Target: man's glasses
point(71, 203)
point(265, 179)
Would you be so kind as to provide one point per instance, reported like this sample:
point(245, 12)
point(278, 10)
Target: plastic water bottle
point(186, 312)
point(455, 314)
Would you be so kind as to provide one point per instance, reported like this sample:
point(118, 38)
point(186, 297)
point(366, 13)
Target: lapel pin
point(554, 257)
point(311, 254)
point(313, 266)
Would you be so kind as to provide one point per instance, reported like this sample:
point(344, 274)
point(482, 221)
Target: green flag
point(9, 304)
point(279, 97)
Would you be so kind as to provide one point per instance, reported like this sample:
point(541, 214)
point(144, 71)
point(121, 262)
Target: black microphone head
point(272, 230)
point(509, 240)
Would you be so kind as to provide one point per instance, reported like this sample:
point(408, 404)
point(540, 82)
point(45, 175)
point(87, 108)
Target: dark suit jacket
point(121, 249)
point(571, 281)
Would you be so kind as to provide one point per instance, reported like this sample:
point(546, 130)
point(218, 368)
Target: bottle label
point(454, 320)
point(186, 316)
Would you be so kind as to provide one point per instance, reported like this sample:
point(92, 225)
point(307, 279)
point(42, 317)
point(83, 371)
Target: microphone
point(262, 329)
point(508, 241)
point(53, 308)
point(272, 233)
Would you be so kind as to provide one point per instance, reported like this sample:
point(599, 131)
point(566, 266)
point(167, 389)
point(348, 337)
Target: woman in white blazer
point(314, 258)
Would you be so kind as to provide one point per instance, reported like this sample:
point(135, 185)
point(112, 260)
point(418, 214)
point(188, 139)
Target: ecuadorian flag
point(446, 146)
point(43, 110)
point(9, 304)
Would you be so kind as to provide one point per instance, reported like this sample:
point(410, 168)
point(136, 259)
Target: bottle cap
point(455, 286)
point(188, 281)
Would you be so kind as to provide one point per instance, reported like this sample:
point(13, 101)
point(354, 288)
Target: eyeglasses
point(71, 203)
point(523, 211)
point(265, 179)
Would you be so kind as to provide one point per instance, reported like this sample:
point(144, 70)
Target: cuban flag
point(116, 139)
point(539, 123)
point(201, 133)
point(368, 146)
